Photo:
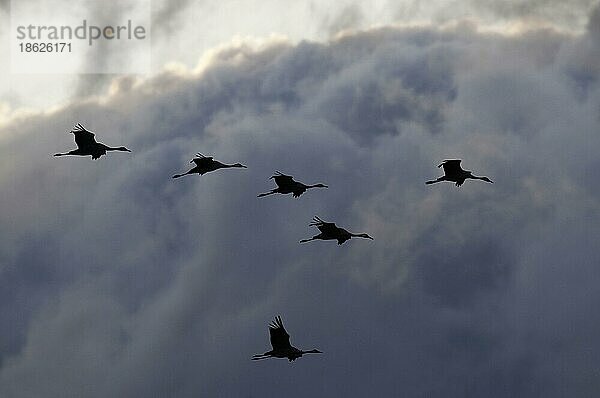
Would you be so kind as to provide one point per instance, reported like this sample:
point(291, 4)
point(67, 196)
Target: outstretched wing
point(282, 180)
point(451, 166)
point(327, 228)
point(202, 160)
point(83, 138)
point(280, 339)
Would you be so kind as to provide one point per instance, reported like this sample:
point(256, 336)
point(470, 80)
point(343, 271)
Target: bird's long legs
point(66, 153)
point(310, 239)
point(258, 357)
point(184, 174)
point(271, 192)
point(440, 179)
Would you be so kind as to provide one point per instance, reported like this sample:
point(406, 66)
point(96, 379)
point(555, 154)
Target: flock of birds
point(280, 339)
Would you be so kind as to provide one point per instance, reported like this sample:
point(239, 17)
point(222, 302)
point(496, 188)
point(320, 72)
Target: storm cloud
point(118, 281)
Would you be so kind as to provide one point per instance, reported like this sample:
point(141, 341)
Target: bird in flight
point(286, 184)
point(329, 231)
point(454, 173)
point(280, 341)
point(87, 144)
point(206, 164)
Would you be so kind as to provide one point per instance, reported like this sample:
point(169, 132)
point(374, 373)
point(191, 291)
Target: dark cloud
point(593, 25)
point(119, 281)
point(459, 275)
point(165, 15)
point(349, 17)
point(104, 56)
point(546, 9)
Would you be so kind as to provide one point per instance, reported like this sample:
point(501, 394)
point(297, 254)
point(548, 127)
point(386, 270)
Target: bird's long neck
point(314, 351)
point(477, 177)
point(227, 166)
point(121, 148)
point(314, 186)
point(361, 235)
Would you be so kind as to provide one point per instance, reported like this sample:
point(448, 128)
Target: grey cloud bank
point(118, 281)
point(184, 29)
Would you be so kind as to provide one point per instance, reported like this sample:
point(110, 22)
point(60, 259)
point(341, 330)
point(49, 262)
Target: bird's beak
point(370, 237)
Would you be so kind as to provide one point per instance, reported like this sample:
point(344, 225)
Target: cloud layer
point(181, 30)
point(118, 281)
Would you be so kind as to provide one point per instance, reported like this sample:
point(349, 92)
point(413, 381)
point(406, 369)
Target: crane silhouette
point(286, 184)
point(206, 164)
point(454, 173)
point(87, 144)
point(280, 341)
point(329, 231)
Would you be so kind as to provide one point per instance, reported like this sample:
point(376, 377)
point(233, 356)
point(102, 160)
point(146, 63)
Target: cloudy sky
point(118, 281)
